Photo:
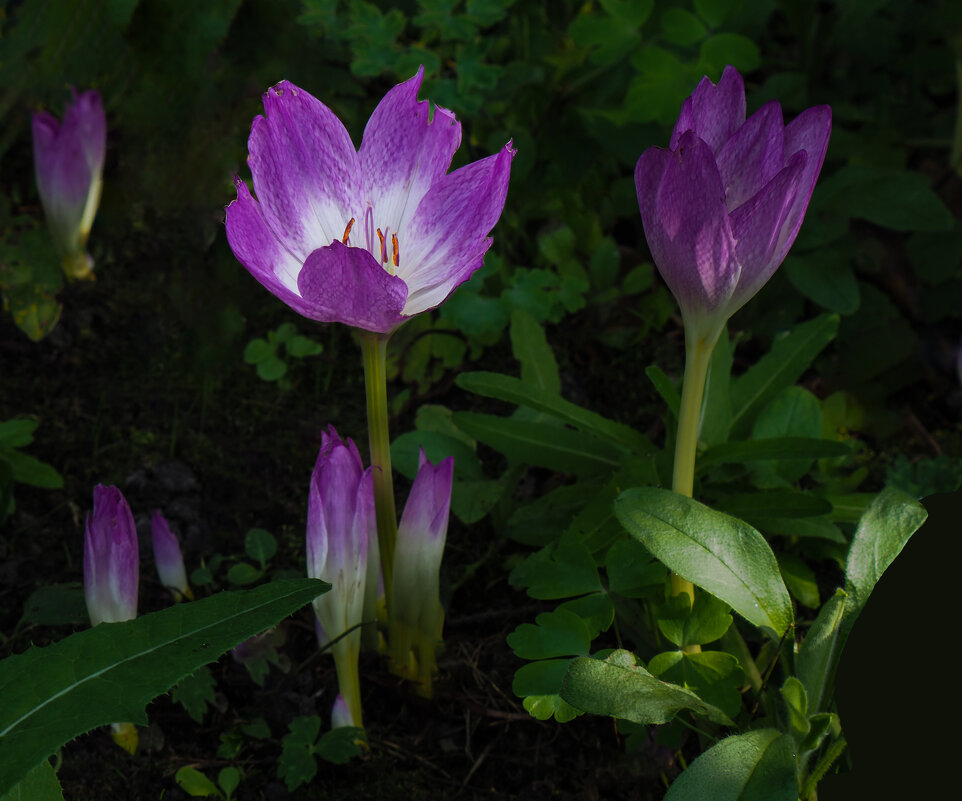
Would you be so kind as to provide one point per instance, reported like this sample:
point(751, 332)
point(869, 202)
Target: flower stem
point(698, 352)
point(374, 348)
point(345, 653)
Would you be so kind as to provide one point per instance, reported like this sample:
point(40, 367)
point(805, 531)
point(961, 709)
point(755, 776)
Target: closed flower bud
point(111, 558)
point(170, 561)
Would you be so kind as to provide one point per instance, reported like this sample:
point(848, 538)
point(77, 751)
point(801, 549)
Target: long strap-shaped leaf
point(50, 695)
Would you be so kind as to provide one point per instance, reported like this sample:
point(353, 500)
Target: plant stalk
point(374, 348)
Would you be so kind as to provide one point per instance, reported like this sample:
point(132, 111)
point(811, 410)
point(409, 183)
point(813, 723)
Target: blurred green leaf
point(680, 27)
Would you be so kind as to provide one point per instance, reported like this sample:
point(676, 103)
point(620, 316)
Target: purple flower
point(417, 615)
point(723, 205)
point(342, 549)
point(167, 555)
point(367, 238)
point(341, 713)
point(111, 558)
point(69, 163)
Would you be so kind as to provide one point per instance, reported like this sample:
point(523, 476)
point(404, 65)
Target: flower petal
point(682, 203)
point(258, 249)
point(305, 169)
point(346, 285)
point(760, 229)
point(402, 154)
point(808, 132)
point(448, 235)
point(753, 155)
point(713, 112)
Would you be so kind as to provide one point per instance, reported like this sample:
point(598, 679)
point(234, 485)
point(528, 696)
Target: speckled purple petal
point(713, 112)
point(305, 170)
point(759, 227)
point(111, 558)
point(752, 156)
point(346, 285)
point(449, 231)
point(402, 154)
point(682, 203)
point(808, 132)
point(264, 256)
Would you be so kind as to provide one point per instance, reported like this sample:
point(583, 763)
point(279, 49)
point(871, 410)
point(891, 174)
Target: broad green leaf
point(619, 687)
point(826, 278)
point(531, 349)
point(17, 433)
point(195, 783)
point(228, 779)
point(771, 449)
point(54, 694)
point(541, 444)
point(544, 677)
point(28, 470)
point(796, 702)
point(40, 784)
point(721, 554)
point(681, 27)
point(557, 633)
point(774, 503)
point(756, 766)
point(781, 367)
point(793, 412)
point(714, 676)
point(729, 48)
point(513, 390)
point(684, 625)
point(800, 580)
point(260, 545)
point(340, 745)
point(632, 571)
point(243, 573)
point(820, 651)
point(820, 528)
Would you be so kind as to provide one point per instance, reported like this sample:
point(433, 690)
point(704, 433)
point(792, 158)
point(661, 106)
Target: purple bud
point(723, 205)
point(341, 713)
point(111, 558)
point(69, 162)
point(170, 561)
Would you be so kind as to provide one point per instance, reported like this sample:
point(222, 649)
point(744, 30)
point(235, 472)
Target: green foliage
point(196, 784)
point(300, 747)
point(64, 690)
point(926, 476)
point(195, 693)
point(40, 784)
point(18, 466)
point(271, 356)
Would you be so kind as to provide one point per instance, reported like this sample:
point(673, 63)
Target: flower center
point(380, 250)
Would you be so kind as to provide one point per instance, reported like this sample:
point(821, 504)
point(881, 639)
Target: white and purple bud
point(341, 714)
point(416, 613)
point(167, 555)
point(111, 558)
point(341, 528)
point(69, 162)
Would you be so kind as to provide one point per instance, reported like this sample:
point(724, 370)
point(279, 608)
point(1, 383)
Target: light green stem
point(374, 347)
point(698, 352)
point(345, 653)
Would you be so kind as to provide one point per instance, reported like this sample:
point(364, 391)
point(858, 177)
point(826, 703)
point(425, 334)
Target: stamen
point(396, 249)
point(382, 253)
point(347, 231)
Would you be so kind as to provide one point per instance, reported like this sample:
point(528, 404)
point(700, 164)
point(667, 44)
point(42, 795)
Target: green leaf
point(714, 676)
point(406, 448)
point(513, 390)
point(340, 745)
point(632, 571)
point(721, 554)
point(796, 702)
point(793, 412)
point(619, 687)
point(260, 545)
point(772, 503)
point(826, 278)
point(271, 369)
point(297, 764)
point(301, 346)
point(540, 444)
point(756, 766)
point(680, 27)
point(543, 707)
point(821, 528)
point(800, 580)
point(531, 349)
point(665, 387)
point(243, 573)
point(195, 692)
point(56, 693)
point(632, 13)
point(40, 784)
point(557, 633)
point(56, 605)
point(683, 625)
point(539, 684)
point(714, 12)
point(258, 350)
point(597, 611)
point(781, 367)
point(28, 470)
point(729, 48)
point(195, 783)
point(774, 448)
point(820, 651)
point(17, 433)
point(564, 571)
point(229, 779)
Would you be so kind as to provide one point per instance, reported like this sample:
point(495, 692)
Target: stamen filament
point(347, 231)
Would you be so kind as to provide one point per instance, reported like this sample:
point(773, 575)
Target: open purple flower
point(169, 559)
point(370, 237)
point(69, 162)
point(723, 205)
point(111, 558)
